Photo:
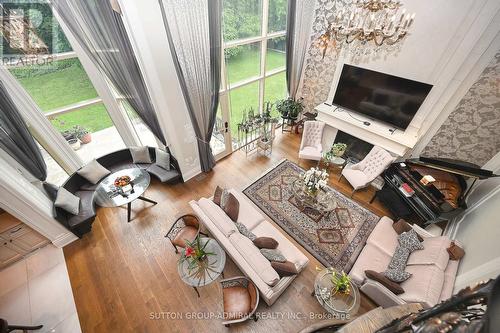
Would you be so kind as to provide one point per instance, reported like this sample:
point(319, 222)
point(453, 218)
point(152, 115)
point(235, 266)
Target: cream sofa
point(243, 252)
point(433, 274)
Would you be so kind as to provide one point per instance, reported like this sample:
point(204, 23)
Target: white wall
point(479, 232)
point(145, 26)
point(442, 39)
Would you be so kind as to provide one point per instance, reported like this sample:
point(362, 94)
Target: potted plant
point(71, 139)
point(194, 254)
point(82, 134)
point(289, 108)
point(341, 283)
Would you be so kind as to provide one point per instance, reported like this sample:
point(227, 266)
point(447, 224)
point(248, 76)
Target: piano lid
point(454, 166)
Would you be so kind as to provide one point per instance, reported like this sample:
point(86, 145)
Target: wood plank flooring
point(124, 275)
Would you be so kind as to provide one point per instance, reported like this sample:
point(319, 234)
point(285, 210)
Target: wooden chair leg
point(373, 197)
point(227, 325)
point(352, 193)
point(176, 250)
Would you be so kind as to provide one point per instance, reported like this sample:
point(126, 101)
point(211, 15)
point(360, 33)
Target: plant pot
point(74, 143)
point(86, 138)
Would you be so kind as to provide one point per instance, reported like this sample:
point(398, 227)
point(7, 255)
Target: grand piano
point(441, 200)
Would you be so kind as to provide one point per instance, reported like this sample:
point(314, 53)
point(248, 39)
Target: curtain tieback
point(205, 142)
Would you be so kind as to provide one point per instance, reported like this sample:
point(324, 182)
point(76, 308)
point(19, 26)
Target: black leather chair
point(115, 161)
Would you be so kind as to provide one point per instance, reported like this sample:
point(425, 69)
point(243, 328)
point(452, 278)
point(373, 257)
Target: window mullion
point(265, 20)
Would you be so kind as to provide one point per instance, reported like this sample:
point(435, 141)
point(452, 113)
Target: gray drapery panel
point(194, 35)
point(298, 32)
point(101, 33)
point(16, 140)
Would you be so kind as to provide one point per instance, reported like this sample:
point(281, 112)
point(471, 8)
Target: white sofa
point(243, 252)
point(433, 273)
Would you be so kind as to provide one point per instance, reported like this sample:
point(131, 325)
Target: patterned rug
point(335, 239)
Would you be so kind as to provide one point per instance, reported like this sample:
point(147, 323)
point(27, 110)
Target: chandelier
point(379, 22)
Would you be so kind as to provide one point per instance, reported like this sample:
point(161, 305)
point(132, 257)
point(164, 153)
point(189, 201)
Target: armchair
point(240, 299)
point(186, 227)
point(310, 146)
point(361, 174)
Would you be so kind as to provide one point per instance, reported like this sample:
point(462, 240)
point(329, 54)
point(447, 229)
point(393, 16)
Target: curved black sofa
point(79, 186)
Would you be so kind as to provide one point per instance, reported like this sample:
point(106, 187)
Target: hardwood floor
point(124, 275)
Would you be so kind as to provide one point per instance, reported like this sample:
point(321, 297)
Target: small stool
point(378, 183)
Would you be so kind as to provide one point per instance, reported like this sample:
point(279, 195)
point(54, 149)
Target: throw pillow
point(273, 255)
point(93, 172)
point(403, 226)
point(455, 251)
point(265, 243)
point(67, 201)
point(286, 268)
point(220, 196)
point(408, 242)
point(140, 154)
point(162, 159)
point(244, 231)
point(51, 190)
point(392, 286)
point(232, 207)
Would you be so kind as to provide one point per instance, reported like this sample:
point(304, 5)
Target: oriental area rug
point(334, 238)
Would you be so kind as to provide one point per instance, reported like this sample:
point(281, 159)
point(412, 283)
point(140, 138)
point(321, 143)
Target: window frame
point(264, 37)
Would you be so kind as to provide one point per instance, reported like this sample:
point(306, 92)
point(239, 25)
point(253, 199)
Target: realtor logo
point(29, 32)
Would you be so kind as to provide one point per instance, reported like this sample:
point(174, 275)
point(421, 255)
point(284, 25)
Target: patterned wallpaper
point(472, 131)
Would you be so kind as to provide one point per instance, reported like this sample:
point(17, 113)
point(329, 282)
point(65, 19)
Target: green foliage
point(289, 108)
point(341, 282)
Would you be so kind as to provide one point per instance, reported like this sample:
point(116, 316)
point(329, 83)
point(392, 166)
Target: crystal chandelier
point(379, 22)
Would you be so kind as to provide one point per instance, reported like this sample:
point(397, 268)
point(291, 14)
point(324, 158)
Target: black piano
point(440, 201)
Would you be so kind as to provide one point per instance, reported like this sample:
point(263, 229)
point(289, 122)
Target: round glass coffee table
point(334, 302)
point(323, 202)
point(208, 270)
point(109, 195)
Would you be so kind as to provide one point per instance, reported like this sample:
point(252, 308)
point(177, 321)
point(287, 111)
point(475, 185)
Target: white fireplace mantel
point(377, 133)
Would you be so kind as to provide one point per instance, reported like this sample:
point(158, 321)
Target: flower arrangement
point(194, 253)
point(122, 181)
point(314, 179)
point(341, 282)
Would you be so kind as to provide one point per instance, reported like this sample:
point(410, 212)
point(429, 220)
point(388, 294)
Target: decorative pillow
point(220, 196)
point(232, 207)
point(392, 286)
point(67, 201)
point(265, 243)
point(244, 231)
point(162, 159)
point(455, 251)
point(93, 172)
point(273, 255)
point(408, 242)
point(403, 226)
point(286, 268)
point(140, 154)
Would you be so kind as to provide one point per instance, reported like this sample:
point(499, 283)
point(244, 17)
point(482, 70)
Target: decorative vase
point(87, 138)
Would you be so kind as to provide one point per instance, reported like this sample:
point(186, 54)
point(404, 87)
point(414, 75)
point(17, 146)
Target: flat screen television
point(388, 98)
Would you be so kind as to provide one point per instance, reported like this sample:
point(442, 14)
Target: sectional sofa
point(79, 186)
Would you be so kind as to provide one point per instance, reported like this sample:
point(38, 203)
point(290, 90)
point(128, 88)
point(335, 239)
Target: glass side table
point(336, 303)
point(208, 270)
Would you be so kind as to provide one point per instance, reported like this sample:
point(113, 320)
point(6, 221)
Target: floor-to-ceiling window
point(58, 82)
point(254, 60)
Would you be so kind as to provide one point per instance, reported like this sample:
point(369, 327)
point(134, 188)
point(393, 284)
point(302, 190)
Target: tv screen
point(391, 99)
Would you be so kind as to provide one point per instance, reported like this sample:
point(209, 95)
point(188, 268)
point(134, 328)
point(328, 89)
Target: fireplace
point(356, 148)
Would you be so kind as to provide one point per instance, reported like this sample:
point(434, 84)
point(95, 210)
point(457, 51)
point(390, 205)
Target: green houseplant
point(289, 108)
point(194, 254)
point(82, 134)
point(341, 283)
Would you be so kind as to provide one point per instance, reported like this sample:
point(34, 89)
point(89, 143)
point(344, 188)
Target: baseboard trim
point(488, 269)
point(64, 239)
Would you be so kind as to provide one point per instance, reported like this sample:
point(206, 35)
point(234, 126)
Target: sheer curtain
point(100, 31)
point(16, 140)
point(298, 32)
point(194, 35)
